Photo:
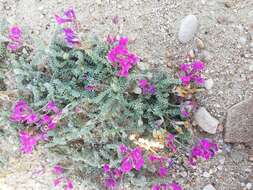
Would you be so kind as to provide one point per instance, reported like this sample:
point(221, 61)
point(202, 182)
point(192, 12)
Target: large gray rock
point(239, 124)
point(207, 122)
point(188, 28)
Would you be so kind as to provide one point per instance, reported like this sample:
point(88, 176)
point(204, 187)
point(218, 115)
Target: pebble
point(242, 40)
point(188, 28)
point(206, 174)
point(209, 187)
point(200, 44)
point(209, 84)
point(251, 67)
point(206, 55)
point(221, 159)
point(248, 185)
point(220, 167)
point(237, 156)
point(137, 90)
point(207, 122)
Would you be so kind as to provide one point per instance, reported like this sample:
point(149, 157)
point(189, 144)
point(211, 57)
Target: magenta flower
point(111, 39)
point(205, 149)
point(27, 142)
point(187, 107)
point(106, 168)
point(191, 73)
point(89, 88)
point(69, 16)
point(120, 54)
point(163, 172)
point(21, 112)
point(52, 107)
point(58, 170)
point(57, 181)
point(197, 65)
point(69, 185)
point(175, 186)
point(123, 149)
point(132, 159)
point(170, 142)
point(146, 87)
point(70, 37)
point(110, 183)
point(15, 36)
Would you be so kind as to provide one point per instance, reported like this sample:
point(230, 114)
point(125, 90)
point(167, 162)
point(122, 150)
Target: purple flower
point(57, 181)
point(175, 186)
point(27, 142)
point(132, 159)
point(198, 65)
point(155, 187)
point(15, 36)
point(69, 16)
point(52, 106)
point(111, 39)
point(170, 142)
point(191, 73)
point(89, 88)
point(163, 172)
point(123, 149)
point(185, 80)
point(70, 37)
point(146, 87)
point(120, 54)
point(187, 107)
point(32, 118)
point(58, 170)
point(106, 168)
point(69, 185)
point(205, 149)
point(110, 183)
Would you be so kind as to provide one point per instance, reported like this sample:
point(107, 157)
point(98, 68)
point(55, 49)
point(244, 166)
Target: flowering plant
point(97, 121)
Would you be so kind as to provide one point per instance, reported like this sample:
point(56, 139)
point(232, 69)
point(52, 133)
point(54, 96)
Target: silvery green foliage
point(94, 123)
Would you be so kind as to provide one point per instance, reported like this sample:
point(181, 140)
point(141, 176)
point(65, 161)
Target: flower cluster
point(69, 33)
point(187, 107)
point(190, 72)
point(113, 176)
point(170, 143)
point(21, 112)
point(27, 142)
point(15, 37)
point(120, 54)
point(163, 164)
point(146, 87)
point(61, 179)
point(205, 149)
point(172, 186)
point(132, 158)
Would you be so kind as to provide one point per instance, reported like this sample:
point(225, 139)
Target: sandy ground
point(226, 28)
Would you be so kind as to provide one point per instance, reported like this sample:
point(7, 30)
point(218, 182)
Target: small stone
point(238, 127)
point(209, 187)
point(251, 67)
point(184, 174)
point(249, 186)
point(221, 159)
point(251, 158)
point(228, 4)
point(208, 123)
point(191, 54)
point(242, 40)
point(188, 28)
point(200, 44)
point(220, 167)
point(206, 174)
point(209, 84)
point(137, 90)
